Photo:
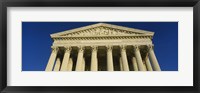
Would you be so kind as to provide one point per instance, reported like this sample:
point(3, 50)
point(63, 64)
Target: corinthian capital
point(136, 47)
point(150, 47)
point(94, 48)
point(123, 47)
point(67, 48)
point(109, 47)
point(81, 48)
point(54, 49)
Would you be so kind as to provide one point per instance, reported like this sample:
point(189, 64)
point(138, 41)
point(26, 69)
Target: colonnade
point(149, 63)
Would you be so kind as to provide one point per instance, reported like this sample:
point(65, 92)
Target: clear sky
point(36, 41)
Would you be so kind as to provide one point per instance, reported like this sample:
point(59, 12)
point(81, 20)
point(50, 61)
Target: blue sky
point(36, 41)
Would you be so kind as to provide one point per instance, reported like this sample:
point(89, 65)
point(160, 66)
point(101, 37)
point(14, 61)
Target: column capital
point(109, 47)
point(81, 48)
point(150, 47)
point(67, 48)
point(94, 48)
point(54, 48)
point(123, 47)
point(136, 47)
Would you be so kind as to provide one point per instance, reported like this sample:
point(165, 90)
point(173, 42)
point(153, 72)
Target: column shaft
point(83, 64)
point(139, 59)
point(70, 65)
point(121, 64)
point(145, 68)
point(124, 58)
point(94, 61)
point(135, 65)
point(148, 64)
point(109, 59)
point(52, 58)
point(66, 59)
point(79, 62)
point(57, 65)
point(154, 60)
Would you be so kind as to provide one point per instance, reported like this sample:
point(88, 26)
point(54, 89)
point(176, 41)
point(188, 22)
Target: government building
point(103, 47)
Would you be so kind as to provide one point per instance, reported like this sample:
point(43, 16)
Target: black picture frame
point(99, 3)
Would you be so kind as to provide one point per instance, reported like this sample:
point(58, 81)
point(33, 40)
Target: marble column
point(135, 65)
point(66, 58)
point(57, 64)
point(148, 64)
point(70, 65)
point(52, 58)
point(94, 61)
point(124, 58)
point(121, 64)
point(79, 62)
point(139, 59)
point(83, 64)
point(109, 59)
point(145, 68)
point(153, 59)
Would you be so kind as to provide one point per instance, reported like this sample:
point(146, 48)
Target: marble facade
point(103, 47)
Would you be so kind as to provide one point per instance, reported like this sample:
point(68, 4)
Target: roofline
point(102, 36)
point(101, 24)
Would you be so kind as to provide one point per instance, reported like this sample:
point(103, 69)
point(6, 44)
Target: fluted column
point(153, 59)
point(145, 67)
point(83, 64)
point(66, 58)
point(94, 61)
point(109, 59)
point(139, 59)
point(70, 65)
point(52, 58)
point(57, 64)
point(79, 62)
point(135, 65)
point(121, 64)
point(124, 58)
point(148, 64)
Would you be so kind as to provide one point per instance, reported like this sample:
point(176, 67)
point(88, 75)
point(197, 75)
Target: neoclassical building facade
point(103, 47)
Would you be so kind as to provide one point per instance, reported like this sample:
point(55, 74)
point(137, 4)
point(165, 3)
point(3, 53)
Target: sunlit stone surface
point(103, 47)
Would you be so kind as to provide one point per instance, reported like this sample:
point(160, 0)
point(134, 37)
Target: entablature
point(103, 37)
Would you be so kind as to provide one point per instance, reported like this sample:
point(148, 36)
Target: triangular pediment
point(101, 29)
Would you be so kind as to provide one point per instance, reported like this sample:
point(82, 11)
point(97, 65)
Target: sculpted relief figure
point(100, 31)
